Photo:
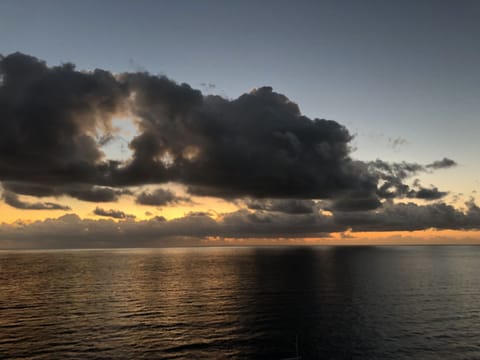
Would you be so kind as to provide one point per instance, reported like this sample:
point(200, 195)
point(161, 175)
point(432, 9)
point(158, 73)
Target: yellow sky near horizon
point(125, 204)
point(374, 238)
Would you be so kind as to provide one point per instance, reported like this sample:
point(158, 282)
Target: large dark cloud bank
point(258, 149)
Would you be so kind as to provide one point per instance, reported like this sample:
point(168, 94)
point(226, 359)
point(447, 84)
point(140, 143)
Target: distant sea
point(395, 302)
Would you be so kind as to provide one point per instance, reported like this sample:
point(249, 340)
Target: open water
point(419, 302)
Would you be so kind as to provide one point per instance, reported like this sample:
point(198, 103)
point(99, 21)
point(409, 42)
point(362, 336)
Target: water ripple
point(341, 303)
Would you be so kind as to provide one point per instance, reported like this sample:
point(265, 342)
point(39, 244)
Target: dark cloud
point(193, 229)
point(355, 202)
point(116, 214)
point(78, 191)
point(13, 200)
point(288, 206)
point(71, 231)
point(442, 164)
point(97, 194)
point(266, 148)
point(392, 179)
point(54, 121)
point(427, 194)
point(257, 145)
point(245, 224)
point(410, 216)
point(49, 118)
point(31, 189)
point(159, 197)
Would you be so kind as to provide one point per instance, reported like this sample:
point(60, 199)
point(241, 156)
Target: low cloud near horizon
point(196, 228)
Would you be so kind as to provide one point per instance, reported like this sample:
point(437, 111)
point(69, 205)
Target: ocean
point(363, 302)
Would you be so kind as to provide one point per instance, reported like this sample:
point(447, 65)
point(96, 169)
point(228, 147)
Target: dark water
point(341, 302)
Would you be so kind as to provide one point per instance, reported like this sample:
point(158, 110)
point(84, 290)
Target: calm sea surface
point(341, 302)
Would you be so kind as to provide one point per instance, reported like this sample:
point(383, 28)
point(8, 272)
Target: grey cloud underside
point(71, 231)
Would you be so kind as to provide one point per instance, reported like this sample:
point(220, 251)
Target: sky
point(155, 123)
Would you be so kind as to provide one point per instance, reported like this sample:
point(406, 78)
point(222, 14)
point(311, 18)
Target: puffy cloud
point(258, 148)
point(257, 145)
point(49, 118)
point(53, 122)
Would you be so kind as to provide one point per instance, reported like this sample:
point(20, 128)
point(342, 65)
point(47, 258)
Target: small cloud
point(427, 194)
point(396, 143)
point(207, 86)
point(159, 197)
point(13, 200)
point(116, 214)
point(287, 206)
point(442, 164)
